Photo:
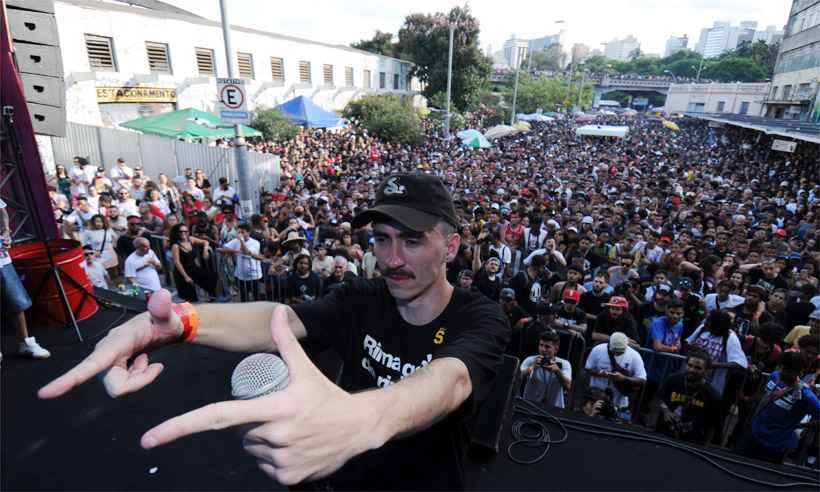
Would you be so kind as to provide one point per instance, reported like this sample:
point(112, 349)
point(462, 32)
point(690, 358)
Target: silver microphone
point(258, 375)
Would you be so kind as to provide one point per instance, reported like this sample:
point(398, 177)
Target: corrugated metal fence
point(102, 146)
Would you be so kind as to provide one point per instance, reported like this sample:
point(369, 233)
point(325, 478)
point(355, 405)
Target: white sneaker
point(30, 348)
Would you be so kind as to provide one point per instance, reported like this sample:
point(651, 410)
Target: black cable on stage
point(704, 454)
point(541, 436)
point(534, 416)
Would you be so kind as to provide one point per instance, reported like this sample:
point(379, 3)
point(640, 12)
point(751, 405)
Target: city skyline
point(650, 22)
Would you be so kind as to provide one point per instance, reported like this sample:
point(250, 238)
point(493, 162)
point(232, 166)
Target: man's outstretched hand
point(158, 326)
point(306, 431)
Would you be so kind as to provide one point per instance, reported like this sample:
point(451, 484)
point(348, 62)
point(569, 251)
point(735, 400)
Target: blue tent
point(305, 112)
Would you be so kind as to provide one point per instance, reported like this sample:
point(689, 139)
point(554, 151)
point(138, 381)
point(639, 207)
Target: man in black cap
point(419, 358)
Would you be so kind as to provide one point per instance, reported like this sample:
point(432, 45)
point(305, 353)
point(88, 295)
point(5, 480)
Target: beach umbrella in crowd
point(523, 126)
point(499, 131)
point(473, 138)
point(671, 125)
point(187, 123)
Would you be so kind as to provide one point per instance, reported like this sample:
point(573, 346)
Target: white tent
point(499, 131)
point(602, 131)
point(533, 117)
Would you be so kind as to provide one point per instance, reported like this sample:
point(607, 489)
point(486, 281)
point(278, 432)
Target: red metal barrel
point(31, 262)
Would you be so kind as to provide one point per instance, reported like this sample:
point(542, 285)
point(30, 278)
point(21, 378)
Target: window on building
point(696, 107)
point(803, 91)
point(205, 61)
point(720, 106)
point(277, 69)
point(382, 80)
point(100, 53)
point(787, 92)
point(395, 81)
point(348, 76)
point(744, 107)
point(327, 74)
point(244, 61)
point(409, 83)
point(304, 72)
point(367, 80)
point(158, 59)
point(773, 97)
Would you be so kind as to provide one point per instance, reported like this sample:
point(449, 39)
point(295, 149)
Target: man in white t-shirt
point(547, 376)
point(716, 337)
point(126, 204)
point(248, 269)
point(224, 191)
point(121, 174)
point(604, 375)
point(94, 268)
point(142, 265)
point(322, 263)
point(723, 299)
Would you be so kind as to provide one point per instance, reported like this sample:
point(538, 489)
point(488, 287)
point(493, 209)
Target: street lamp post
point(581, 90)
point(246, 190)
point(449, 82)
point(520, 53)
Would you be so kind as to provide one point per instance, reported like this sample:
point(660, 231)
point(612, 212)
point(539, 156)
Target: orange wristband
point(190, 320)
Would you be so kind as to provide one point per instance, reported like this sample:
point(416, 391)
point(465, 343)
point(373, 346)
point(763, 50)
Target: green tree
point(734, 69)
point(596, 64)
point(635, 54)
point(763, 54)
point(381, 43)
point(546, 93)
point(550, 58)
point(388, 116)
point(424, 40)
point(273, 124)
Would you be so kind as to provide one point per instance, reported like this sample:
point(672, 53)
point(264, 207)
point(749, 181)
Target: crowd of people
point(671, 276)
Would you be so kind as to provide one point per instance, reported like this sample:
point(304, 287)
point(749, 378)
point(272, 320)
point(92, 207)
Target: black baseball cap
point(416, 201)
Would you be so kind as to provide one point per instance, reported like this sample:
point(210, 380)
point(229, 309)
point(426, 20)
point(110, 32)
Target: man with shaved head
point(142, 265)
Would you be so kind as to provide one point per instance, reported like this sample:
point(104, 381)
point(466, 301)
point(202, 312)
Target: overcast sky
point(588, 21)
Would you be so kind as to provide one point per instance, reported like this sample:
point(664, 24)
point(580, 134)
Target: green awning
point(187, 123)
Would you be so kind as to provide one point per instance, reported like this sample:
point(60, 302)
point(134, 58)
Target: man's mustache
point(395, 272)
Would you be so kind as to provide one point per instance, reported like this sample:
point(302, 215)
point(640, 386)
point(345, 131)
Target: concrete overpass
point(604, 84)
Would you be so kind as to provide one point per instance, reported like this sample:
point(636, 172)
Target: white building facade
point(795, 92)
point(515, 51)
point(734, 98)
point(723, 37)
point(675, 44)
point(620, 49)
point(122, 62)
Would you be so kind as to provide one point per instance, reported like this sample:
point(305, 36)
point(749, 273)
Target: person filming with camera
point(547, 376)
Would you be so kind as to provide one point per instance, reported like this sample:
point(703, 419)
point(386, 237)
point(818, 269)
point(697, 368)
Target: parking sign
point(233, 105)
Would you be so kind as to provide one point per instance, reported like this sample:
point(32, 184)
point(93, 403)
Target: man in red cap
point(567, 315)
point(615, 318)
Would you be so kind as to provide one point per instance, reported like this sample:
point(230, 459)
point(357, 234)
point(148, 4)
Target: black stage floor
point(87, 441)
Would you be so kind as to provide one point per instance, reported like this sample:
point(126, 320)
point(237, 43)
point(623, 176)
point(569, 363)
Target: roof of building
point(159, 6)
point(799, 130)
point(156, 8)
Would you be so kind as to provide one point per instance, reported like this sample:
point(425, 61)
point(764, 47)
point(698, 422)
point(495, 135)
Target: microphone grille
point(257, 375)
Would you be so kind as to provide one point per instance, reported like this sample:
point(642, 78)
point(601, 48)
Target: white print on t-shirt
point(390, 361)
point(535, 292)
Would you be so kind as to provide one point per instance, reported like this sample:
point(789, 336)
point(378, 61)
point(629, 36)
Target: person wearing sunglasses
point(191, 256)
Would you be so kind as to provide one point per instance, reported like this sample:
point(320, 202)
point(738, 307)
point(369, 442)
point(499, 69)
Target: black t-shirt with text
point(361, 322)
point(698, 408)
